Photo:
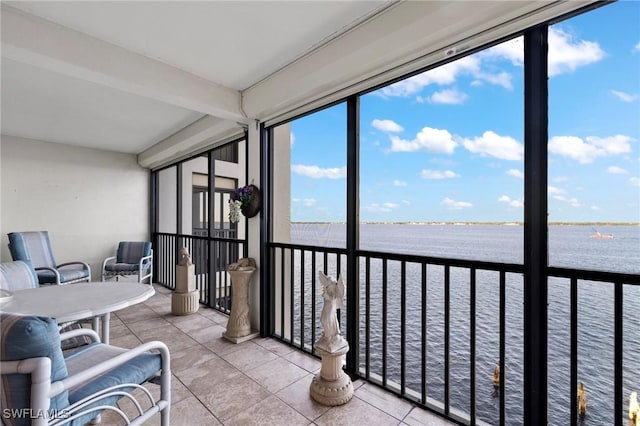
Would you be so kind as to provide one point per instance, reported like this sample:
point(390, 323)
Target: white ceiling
point(134, 76)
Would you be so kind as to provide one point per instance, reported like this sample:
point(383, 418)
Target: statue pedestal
point(185, 300)
point(239, 325)
point(332, 386)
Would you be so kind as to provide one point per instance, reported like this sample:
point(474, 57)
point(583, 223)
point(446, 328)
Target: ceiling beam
point(44, 44)
point(202, 133)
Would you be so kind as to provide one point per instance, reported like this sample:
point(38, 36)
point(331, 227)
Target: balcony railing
point(211, 256)
point(432, 330)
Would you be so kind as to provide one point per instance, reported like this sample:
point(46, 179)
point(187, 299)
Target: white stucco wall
point(87, 199)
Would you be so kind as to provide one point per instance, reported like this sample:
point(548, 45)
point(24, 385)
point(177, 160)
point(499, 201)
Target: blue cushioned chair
point(132, 258)
point(34, 248)
point(41, 386)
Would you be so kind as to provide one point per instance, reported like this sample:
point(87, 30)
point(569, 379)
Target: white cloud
point(455, 205)
point(635, 181)
point(449, 96)
point(512, 50)
point(316, 172)
point(399, 183)
point(309, 202)
point(585, 151)
point(292, 138)
point(566, 53)
point(515, 173)
point(428, 139)
point(552, 190)
point(443, 75)
point(490, 143)
point(438, 174)
point(511, 202)
point(624, 97)
point(637, 47)
point(384, 207)
point(387, 125)
point(617, 170)
point(573, 202)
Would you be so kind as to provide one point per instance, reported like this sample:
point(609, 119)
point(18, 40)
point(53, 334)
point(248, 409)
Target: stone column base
point(185, 303)
point(331, 386)
point(239, 339)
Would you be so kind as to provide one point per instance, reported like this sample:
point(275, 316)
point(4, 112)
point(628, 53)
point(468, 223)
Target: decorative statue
point(185, 258)
point(333, 293)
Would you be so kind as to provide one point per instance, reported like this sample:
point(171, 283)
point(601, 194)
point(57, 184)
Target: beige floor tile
point(233, 396)
point(170, 335)
point(189, 412)
point(190, 357)
point(420, 417)
point(271, 411)
point(136, 313)
point(274, 346)
point(249, 356)
point(149, 324)
point(218, 344)
point(208, 335)
point(128, 341)
point(383, 400)
point(205, 378)
point(119, 331)
point(298, 397)
point(194, 322)
point(304, 360)
point(276, 374)
point(356, 412)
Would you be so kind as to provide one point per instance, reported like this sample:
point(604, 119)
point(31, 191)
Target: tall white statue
point(331, 386)
point(333, 294)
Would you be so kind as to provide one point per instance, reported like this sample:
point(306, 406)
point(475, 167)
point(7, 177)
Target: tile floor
point(259, 382)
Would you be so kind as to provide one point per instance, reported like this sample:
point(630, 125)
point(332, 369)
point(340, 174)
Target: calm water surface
point(569, 246)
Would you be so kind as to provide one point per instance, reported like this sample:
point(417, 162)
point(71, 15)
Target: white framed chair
point(41, 386)
point(133, 258)
point(34, 248)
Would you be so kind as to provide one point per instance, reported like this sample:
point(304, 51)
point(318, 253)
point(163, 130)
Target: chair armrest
point(80, 332)
point(116, 361)
point(145, 259)
point(55, 272)
point(77, 262)
point(108, 260)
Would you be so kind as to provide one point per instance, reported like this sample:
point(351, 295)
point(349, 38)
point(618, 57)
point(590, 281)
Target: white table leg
point(106, 319)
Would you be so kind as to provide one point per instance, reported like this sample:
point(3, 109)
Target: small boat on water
point(598, 236)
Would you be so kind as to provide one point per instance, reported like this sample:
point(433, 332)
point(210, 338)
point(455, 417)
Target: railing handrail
point(200, 237)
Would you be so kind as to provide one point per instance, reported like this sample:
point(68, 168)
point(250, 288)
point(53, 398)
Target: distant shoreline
point(475, 223)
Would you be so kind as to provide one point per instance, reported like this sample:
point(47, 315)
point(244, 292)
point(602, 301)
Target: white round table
point(72, 302)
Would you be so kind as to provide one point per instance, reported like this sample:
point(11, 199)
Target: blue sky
point(447, 144)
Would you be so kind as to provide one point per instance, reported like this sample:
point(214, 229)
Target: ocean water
point(569, 246)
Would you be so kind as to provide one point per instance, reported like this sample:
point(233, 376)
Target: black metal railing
point(432, 330)
point(210, 256)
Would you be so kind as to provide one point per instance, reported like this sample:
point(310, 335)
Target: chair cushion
point(24, 337)
point(138, 370)
point(17, 275)
point(32, 247)
point(132, 251)
point(121, 267)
